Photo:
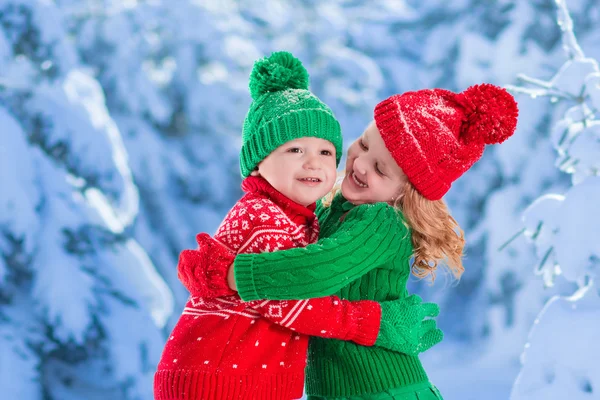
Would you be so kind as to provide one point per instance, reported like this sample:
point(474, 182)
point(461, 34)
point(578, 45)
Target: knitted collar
point(296, 212)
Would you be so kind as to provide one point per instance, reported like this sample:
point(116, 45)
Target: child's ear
point(255, 172)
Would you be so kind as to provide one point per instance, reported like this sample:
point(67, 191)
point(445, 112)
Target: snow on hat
point(436, 135)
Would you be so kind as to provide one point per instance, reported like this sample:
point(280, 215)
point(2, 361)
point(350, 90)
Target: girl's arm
point(370, 236)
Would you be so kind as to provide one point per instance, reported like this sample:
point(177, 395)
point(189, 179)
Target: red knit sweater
point(224, 348)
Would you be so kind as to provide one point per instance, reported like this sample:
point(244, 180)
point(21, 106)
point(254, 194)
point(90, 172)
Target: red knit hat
point(436, 135)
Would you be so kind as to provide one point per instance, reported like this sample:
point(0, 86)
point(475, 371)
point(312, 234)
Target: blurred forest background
point(121, 124)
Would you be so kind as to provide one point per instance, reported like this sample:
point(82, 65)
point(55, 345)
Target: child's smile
point(358, 182)
point(310, 181)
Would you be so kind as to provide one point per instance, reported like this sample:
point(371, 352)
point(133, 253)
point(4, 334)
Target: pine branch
point(568, 37)
point(540, 266)
point(512, 238)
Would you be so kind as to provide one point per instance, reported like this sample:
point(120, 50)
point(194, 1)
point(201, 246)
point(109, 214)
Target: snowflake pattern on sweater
point(257, 225)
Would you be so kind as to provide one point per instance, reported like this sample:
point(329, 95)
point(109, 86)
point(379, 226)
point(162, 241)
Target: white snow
point(121, 125)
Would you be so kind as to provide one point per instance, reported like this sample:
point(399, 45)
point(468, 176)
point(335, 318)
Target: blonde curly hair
point(436, 236)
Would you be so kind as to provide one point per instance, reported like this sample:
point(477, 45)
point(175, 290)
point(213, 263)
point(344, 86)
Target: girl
point(406, 160)
point(223, 348)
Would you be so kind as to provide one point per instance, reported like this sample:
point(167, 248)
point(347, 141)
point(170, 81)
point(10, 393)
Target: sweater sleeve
point(370, 236)
point(328, 317)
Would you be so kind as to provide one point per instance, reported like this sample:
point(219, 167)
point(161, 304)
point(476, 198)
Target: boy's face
point(302, 169)
point(372, 174)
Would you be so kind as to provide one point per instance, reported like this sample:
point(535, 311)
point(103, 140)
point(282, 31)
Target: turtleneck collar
point(298, 213)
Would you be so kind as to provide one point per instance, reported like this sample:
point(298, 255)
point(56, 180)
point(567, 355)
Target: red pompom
point(491, 114)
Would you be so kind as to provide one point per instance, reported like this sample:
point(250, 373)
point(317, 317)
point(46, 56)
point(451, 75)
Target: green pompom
point(280, 71)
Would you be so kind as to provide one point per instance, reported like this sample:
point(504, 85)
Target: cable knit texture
point(224, 348)
point(436, 135)
point(371, 251)
point(369, 234)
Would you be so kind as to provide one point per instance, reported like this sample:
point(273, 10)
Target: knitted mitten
point(404, 327)
point(204, 271)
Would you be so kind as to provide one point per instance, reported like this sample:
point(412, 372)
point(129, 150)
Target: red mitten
point(204, 271)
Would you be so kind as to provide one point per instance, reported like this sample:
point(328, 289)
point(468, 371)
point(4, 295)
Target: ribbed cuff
point(244, 277)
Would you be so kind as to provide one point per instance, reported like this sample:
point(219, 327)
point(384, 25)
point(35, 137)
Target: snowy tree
point(559, 360)
point(82, 304)
point(178, 95)
point(121, 127)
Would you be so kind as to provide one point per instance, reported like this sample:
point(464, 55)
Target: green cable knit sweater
point(365, 257)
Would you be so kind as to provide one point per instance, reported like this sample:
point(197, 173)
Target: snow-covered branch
point(565, 229)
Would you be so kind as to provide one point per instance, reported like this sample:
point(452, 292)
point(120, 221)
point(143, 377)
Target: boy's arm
point(405, 325)
point(328, 317)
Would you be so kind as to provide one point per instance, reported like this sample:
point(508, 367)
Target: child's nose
point(312, 161)
point(359, 166)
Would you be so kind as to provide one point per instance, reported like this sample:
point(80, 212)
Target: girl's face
point(371, 174)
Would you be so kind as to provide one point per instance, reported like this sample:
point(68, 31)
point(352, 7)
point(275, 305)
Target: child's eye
point(362, 144)
point(377, 169)
point(326, 153)
point(294, 150)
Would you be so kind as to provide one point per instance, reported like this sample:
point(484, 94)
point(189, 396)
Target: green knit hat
point(282, 110)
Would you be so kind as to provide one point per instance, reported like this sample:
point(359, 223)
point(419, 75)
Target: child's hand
point(204, 272)
point(406, 327)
